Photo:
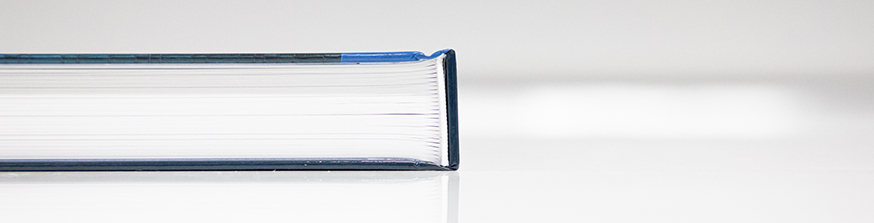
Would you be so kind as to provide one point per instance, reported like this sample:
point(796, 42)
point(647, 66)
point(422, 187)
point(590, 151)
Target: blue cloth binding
point(388, 56)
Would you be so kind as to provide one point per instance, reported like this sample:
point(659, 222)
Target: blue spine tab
point(388, 57)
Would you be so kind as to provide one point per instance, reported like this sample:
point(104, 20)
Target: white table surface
point(793, 151)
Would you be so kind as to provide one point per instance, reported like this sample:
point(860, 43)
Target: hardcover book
point(336, 111)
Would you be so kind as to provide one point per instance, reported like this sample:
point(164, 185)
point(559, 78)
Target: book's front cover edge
point(244, 58)
point(172, 58)
point(216, 164)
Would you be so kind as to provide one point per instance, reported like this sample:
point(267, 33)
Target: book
point(335, 111)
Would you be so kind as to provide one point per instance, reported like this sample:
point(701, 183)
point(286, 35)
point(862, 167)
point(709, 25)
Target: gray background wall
point(495, 39)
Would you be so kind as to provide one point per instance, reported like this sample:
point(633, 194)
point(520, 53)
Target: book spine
point(452, 107)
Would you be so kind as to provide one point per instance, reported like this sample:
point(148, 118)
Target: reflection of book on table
point(231, 196)
point(228, 111)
